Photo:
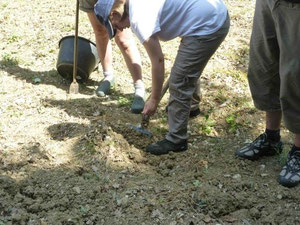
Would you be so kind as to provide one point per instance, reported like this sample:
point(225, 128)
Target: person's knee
point(100, 31)
point(124, 40)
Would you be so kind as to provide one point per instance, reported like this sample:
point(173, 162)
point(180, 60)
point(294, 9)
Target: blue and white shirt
point(175, 18)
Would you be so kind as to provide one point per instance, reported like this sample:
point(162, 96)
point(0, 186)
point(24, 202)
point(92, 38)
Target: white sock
point(139, 88)
point(108, 75)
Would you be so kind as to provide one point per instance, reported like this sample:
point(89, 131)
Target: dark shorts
point(87, 5)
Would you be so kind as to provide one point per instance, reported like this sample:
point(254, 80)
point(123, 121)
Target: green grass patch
point(159, 130)
point(12, 39)
point(122, 101)
point(282, 157)
point(231, 120)
point(206, 125)
point(9, 60)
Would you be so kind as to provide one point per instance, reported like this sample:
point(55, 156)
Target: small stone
point(254, 212)
point(116, 186)
point(123, 201)
point(36, 80)
point(247, 141)
point(237, 176)
point(262, 167)
point(230, 219)
point(118, 213)
point(77, 190)
point(95, 168)
point(207, 219)
point(279, 197)
point(264, 175)
point(97, 113)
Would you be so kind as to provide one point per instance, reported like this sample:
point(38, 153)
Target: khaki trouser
point(192, 57)
point(274, 67)
point(196, 97)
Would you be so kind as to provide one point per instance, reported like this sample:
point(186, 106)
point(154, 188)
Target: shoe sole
point(285, 183)
point(256, 157)
point(164, 153)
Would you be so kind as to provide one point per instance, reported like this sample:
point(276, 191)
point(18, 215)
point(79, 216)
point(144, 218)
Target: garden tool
point(142, 128)
point(74, 87)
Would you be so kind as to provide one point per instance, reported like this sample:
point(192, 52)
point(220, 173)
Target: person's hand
point(150, 107)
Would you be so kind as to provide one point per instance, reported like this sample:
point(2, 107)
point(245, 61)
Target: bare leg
point(130, 53)
point(103, 43)
point(273, 120)
point(132, 58)
point(297, 140)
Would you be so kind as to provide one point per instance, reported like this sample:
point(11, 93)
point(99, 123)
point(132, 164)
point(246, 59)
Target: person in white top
point(203, 25)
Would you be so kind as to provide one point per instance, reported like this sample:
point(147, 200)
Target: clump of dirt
point(133, 136)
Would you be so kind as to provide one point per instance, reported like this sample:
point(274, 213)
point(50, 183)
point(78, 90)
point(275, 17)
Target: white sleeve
point(145, 18)
point(143, 31)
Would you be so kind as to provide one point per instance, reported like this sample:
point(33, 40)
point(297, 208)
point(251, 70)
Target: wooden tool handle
point(75, 57)
point(163, 91)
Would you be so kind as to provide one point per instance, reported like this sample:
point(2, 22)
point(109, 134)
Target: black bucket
point(87, 59)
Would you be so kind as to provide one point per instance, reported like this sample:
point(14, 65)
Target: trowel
point(142, 128)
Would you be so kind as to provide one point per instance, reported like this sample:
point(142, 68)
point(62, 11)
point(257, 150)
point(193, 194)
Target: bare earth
point(73, 159)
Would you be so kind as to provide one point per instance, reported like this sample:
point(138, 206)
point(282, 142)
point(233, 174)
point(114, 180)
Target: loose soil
point(74, 159)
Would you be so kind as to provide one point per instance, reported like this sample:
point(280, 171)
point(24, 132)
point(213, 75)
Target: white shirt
point(173, 18)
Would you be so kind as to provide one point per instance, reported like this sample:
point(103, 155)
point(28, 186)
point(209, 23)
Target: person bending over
point(202, 25)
